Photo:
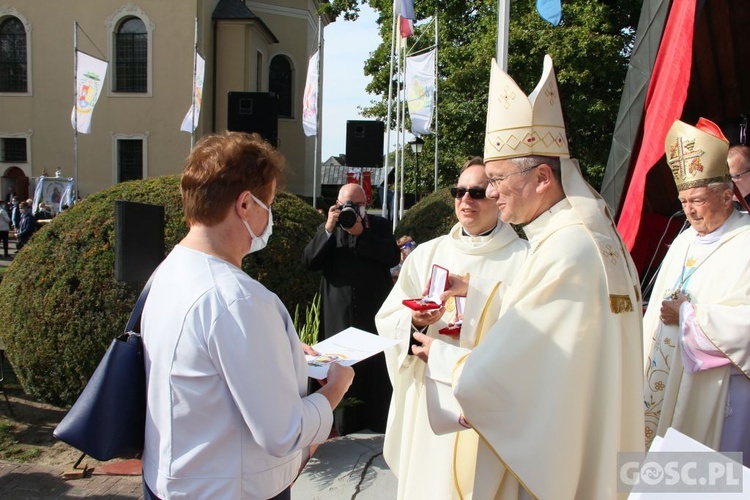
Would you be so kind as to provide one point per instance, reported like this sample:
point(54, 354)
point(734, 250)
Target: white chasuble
point(554, 387)
point(420, 459)
point(717, 281)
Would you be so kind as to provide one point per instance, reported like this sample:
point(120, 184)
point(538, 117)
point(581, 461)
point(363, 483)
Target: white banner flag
point(200, 72)
point(310, 98)
point(420, 87)
point(90, 75)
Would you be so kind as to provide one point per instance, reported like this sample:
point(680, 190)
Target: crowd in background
point(18, 221)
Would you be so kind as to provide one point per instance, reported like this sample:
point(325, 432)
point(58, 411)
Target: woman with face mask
point(228, 411)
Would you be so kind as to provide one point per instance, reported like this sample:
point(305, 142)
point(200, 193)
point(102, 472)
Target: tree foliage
point(590, 49)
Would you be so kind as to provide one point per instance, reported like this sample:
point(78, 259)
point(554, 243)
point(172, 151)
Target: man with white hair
point(697, 325)
point(551, 393)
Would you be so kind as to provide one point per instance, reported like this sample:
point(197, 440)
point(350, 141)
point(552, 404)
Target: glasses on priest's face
point(496, 181)
point(737, 177)
point(475, 193)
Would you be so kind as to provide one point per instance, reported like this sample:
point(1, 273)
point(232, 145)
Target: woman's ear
point(242, 203)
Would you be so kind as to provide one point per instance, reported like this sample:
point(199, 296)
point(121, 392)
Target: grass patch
point(10, 449)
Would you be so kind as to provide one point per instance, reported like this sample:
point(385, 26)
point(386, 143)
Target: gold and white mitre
point(697, 155)
point(521, 126)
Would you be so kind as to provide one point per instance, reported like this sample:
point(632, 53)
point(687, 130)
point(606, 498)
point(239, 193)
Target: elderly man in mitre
point(479, 244)
point(697, 325)
point(553, 386)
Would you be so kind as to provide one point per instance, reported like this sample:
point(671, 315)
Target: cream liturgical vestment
point(718, 285)
point(422, 460)
point(553, 388)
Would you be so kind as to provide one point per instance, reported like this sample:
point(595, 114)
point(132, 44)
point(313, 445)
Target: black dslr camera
point(348, 213)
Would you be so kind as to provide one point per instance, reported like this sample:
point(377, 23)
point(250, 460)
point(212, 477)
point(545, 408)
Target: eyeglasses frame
point(494, 181)
point(736, 177)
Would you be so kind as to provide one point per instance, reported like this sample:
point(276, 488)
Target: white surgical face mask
point(260, 242)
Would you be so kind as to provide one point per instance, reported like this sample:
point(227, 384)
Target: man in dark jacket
point(27, 225)
point(355, 251)
point(15, 213)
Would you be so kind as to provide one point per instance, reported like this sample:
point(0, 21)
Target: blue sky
point(347, 45)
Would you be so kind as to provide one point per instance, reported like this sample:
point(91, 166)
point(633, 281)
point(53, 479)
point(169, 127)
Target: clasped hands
point(457, 286)
point(669, 314)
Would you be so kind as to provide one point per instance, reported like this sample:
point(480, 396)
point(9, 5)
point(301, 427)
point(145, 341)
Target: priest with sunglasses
point(479, 244)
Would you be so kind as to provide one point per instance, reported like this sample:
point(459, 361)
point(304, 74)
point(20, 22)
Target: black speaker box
point(139, 240)
point(364, 143)
point(254, 112)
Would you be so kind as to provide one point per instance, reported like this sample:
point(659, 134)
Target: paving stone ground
point(36, 482)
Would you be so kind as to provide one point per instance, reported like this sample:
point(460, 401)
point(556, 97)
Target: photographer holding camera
point(355, 252)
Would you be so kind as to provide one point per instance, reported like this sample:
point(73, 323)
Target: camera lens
point(347, 217)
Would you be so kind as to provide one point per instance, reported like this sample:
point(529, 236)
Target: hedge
point(431, 217)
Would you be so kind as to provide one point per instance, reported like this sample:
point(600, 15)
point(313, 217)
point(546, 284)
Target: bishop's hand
point(669, 314)
point(457, 286)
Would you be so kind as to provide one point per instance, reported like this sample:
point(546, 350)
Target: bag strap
point(135, 316)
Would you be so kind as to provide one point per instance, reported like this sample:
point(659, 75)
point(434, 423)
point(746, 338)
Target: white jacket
point(228, 416)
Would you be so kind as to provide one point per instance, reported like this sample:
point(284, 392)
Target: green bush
point(60, 305)
point(433, 216)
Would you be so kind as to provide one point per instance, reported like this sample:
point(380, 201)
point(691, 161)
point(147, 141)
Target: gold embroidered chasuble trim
point(661, 356)
point(469, 454)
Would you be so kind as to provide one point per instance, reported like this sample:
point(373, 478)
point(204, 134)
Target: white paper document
point(346, 347)
point(675, 441)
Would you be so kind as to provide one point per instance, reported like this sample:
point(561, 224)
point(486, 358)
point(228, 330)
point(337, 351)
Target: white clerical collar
point(538, 228)
point(714, 235)
point(465, 234)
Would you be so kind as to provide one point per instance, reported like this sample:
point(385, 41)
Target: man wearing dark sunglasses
point(479, 244)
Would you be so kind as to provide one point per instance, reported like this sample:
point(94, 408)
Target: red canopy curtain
point(665, 99)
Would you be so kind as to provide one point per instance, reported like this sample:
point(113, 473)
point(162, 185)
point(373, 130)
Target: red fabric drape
point(364, 179)
point(665, 99)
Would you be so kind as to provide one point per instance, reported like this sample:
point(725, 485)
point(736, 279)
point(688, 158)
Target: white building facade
point(250, 46)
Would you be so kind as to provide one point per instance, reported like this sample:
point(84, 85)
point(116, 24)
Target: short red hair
point(220, 167)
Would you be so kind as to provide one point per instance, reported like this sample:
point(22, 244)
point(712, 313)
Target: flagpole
point(319, 115)
point(398, 152)
point(435, 101)
point(75, 111)
point(403, 117)
point(503, 18)
point(195, 71)
point(388, 134)
point(399, 132)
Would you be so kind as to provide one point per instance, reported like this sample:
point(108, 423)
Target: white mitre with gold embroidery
point(522, 126)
